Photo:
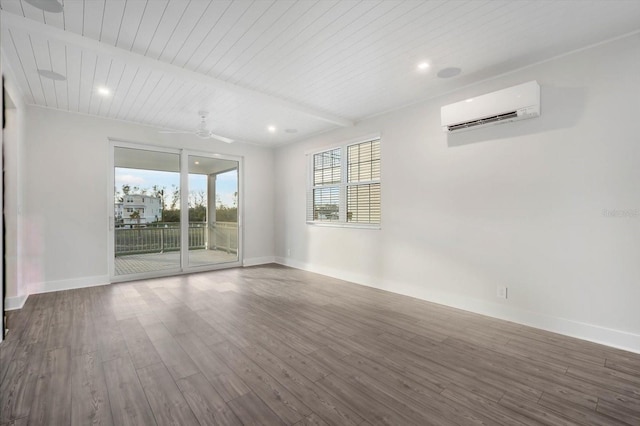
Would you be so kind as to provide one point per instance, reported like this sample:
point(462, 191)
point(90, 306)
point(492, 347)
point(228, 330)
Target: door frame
point(184, 211)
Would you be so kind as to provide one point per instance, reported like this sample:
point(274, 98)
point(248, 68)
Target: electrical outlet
point(501, 292)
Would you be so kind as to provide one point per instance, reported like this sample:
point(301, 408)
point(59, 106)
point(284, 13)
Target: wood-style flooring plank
point(53, 391)
point(624, 413)
point(282, 402)
point(221, 377)
point(631, 367)
point(206, 403)
point(139, 346)
point(83, 333)
point(319, 401)
point(24, 421)
point(312, 420)
point(434, 372)
point(498, 414)
point(38, 326)
point(58, 336)
point(175, 358)
point(18, 387)
point(7, 350)
point(167, 402)
point(362, 402)
point(411, 402)
point(89, 395)
point(526, 410)
point(156, 331)
point(247, 335)
point(111, 343)
point(252, 411)
point(129, 405)
point(613, 380)
point(577, 412)
point(421, 398)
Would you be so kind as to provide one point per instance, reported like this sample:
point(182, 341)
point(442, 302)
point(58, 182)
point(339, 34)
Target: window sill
point(346, 225)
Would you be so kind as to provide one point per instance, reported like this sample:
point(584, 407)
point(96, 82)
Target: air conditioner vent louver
point(506, 105)
point(483, 121)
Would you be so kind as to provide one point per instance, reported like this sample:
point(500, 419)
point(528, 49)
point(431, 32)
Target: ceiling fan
point(202, 130)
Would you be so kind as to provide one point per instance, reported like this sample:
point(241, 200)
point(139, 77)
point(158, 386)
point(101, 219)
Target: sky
point(227, 183)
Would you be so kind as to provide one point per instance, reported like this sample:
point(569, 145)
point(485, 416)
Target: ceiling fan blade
point(202, 131)
point(220, 138)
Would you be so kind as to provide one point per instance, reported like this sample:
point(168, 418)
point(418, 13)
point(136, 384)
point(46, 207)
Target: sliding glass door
point(172, 211)
point(213, 210)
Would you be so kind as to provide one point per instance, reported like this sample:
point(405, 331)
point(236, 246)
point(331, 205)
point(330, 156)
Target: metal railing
point(164, 238)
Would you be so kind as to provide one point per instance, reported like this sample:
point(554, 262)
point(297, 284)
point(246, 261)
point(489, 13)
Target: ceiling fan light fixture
point(52, 6)
point(203, 133)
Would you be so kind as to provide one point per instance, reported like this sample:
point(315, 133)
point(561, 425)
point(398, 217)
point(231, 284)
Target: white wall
point(67, 155)
point(519, 205)
point(12, 145)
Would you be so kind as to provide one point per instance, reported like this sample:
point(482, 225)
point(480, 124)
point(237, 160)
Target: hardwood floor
point(271, 345)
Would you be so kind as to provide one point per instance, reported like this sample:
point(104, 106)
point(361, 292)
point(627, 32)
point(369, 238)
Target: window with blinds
point(344, 185)
point(363, 183)
point(325, 200)
point(326, 167)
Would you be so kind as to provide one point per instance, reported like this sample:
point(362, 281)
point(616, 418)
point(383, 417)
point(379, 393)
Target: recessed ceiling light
point(47, 5)
point(271, 129)
point(196, 162)
point(449, 72)
point(104, 91)
point(422, 66)
point(52, 75)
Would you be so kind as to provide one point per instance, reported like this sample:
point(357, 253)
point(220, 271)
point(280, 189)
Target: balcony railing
point(164, 238)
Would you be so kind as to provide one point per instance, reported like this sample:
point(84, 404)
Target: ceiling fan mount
point(202, 131)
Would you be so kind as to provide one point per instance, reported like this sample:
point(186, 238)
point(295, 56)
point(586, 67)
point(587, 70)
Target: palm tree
point(135, 215)
point(158, 192)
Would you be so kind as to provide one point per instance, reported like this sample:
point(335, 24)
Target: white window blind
point(363, 185)
point(344, 185)
point(327, 167)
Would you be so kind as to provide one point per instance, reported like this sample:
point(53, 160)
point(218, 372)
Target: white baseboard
point(12, 303)
point(593, 333)
point(70, 284)
point(253, 261)
point(15, 302)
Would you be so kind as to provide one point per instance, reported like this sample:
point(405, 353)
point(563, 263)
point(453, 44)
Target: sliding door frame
point(184, 267)
point(184, 210)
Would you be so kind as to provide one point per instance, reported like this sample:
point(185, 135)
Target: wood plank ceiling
point(304, 65)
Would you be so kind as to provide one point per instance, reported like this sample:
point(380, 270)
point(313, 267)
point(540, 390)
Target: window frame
point(343, 185)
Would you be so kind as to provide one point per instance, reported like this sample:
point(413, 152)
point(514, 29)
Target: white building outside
point(149, 208)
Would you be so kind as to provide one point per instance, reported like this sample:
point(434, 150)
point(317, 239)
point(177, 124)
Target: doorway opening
point(173, 211)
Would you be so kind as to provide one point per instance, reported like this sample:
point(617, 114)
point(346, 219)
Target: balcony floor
point(152, 262)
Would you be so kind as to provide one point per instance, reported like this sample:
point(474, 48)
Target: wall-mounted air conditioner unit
point(511, 104)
